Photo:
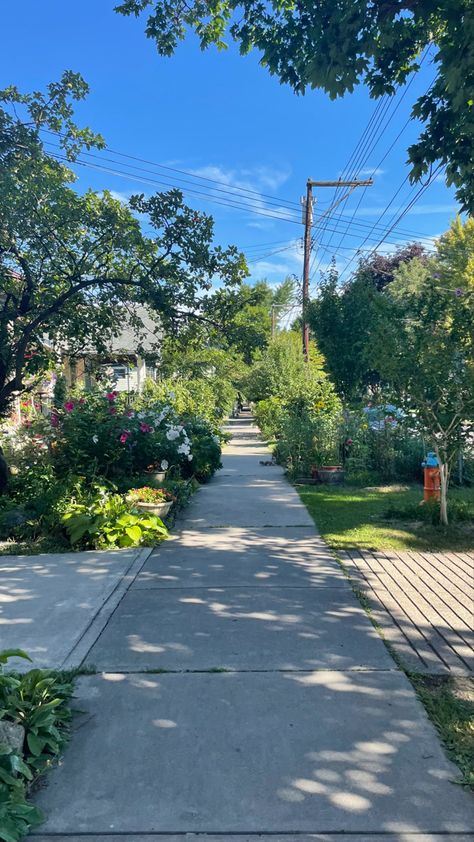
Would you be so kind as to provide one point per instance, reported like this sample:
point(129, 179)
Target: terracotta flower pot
point(331, 474)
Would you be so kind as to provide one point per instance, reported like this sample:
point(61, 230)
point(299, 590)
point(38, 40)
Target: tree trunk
point(444, 477)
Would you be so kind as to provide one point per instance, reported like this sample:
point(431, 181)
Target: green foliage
point(459, 511)
point(38, 701)
point(390, 451)
point(336, 46)
point(60, 391)
point(269, 416)
point(449, 703)
point(280, 369)
point(310, 429)
point(423, 345)
point(103, 520)
point(343, 320)
point(243, 317)
point(210, 398)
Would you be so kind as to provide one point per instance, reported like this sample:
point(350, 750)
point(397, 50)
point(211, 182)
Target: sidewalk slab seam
point(98, 623)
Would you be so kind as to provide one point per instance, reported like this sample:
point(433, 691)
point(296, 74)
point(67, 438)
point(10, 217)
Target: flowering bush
point(99, 435)
point(206, 450)
point(99, 438)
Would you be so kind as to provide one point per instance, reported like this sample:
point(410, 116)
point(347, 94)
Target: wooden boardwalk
point(424, 603)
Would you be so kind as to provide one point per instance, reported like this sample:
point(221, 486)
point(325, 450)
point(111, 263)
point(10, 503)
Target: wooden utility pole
point(273, 321)
point(308, 221)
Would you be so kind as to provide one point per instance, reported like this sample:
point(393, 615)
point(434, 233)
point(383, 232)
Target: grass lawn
point(449, 702)
point(350, 516)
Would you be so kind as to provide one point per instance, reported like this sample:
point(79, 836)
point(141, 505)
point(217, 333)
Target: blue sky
point(223, 117)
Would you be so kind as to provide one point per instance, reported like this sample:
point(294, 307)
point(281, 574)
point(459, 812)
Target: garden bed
point(76, 472)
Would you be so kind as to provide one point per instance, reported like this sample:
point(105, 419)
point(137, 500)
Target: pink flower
point(113, 410)
point(54, 420)
point(125, 435)
point(111, 396)
point(82, 401)
point(69, 406)
point(145, 428)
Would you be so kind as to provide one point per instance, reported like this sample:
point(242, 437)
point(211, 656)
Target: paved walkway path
point(54, 605)
point(424, 603)
point(245, 695)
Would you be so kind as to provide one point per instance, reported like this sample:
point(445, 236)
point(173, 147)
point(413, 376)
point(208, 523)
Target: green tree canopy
point(337, 45)
point(244, 315)
point(423, 344)
point(280, 369)
point(343, 320)
point(70, 264)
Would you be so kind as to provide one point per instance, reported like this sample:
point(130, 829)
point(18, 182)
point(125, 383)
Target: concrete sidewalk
point(54, 605)
point(246, 695)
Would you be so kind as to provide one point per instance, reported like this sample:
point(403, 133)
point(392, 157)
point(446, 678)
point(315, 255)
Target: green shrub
point(38, 701)
point(269, 416)
point(310, 428)
point(391, 452)
point(459, 511)
point(103, 520)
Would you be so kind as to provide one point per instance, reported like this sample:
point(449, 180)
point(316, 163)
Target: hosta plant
point(38, 701)
point(103, 520)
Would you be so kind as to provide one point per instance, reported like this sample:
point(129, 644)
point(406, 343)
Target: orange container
point(432, 484)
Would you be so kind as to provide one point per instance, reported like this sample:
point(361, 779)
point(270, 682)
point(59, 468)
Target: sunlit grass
point(349, 516)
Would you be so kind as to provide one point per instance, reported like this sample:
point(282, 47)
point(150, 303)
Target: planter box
point(160, 509)
point(331, 474)
point(156, 476)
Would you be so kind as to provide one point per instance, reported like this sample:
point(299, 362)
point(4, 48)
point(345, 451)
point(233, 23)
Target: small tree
point(424, 345)
point(281, 368)
point(342, 319)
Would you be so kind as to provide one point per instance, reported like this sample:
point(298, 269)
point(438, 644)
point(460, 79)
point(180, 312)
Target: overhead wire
point(139, 179)
point(362, 163)
point(231, 197)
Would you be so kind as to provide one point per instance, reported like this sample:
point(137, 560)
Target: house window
point(119, 372)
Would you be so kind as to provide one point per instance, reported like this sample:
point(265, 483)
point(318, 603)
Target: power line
point(228, 187)
point(281, 203)
point(236, 205)
point(381, 130)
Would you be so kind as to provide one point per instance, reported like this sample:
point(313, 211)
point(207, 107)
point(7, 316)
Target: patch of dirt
point(462, 687)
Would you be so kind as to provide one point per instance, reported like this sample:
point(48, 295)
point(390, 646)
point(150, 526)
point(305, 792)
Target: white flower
point(190, 456)
point(141, 415)
point(172, 395)
point(95, 439)
point(183, 448)
point(172, 434)
point(164, 465)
